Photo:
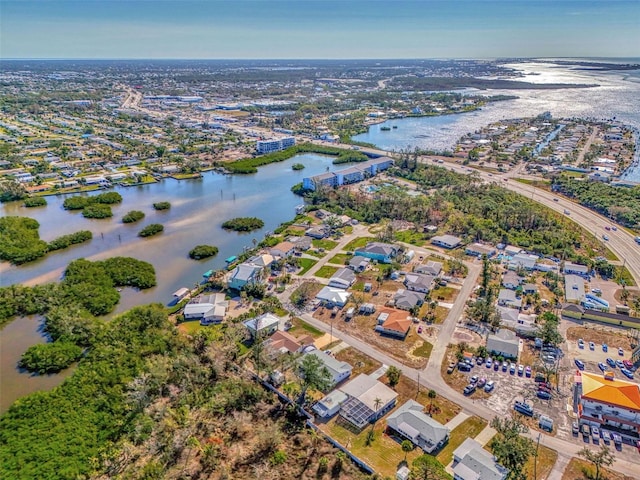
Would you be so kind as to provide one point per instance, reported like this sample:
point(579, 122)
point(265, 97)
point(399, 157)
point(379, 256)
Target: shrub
point(35, 202)
point(20, 241)
point(243, 224)
point(151, 230)
point(162, 206)
point(203, 251)
point(72, 239)
point(133, 216)
point(297, 166)
point(97, 210)
point(50, 357)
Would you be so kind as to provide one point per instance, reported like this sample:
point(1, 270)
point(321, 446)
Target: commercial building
point(612, 405)
point(505, 343)
point(573, 288)
point(354, 174)
point(274, 145)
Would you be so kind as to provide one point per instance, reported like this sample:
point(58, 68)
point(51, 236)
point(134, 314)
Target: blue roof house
point(242, 275)
point(381, 252)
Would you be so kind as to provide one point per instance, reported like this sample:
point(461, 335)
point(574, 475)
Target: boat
point(231, 259)
point(395, 126)
point(385, 128)
point(207, 274)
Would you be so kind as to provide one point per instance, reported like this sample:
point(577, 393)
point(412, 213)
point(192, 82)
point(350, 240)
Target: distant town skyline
point(318, 29)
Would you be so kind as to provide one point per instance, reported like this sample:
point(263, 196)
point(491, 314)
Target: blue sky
point(318, 28)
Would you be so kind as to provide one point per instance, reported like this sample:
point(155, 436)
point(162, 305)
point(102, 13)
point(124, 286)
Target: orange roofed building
point(612, 405)
point(394, 323)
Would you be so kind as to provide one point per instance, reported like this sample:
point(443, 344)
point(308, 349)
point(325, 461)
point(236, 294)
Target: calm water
point(618, 95)
point(198, 208)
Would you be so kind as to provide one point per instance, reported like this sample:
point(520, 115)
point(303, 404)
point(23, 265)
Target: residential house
point(381, 252)
point(333, 297)
point(263, 325)
point(263, 260)
point(406, 299)
point(244, 274)
point(610, 404)
point(316, 232)
point(394, 323)
point(367, 308)
point(359, 264)
point(410, 422)
point(512, 250)
point(504, 342)
point(446, 241)
point(430, 268)
point(511, 280)
point(472, 462)
point(478, 250)
point(575, 269)
point(529, 288)
point(418, 282)
point(343, 278)
point(283, 342)
point(283, 249)
point(302, 244)
point(508, 298)
point(338, 370)
point(520, 322)
point(523, 260)
point(368, 400)
point(209, 309)
point(330, 405)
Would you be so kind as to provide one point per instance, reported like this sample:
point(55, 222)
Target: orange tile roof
point(400, 325)
point(616, 392)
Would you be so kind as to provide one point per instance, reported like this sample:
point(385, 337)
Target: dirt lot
point(409, 351)
point(360, 362)
point(598, 334)
point(575, 471)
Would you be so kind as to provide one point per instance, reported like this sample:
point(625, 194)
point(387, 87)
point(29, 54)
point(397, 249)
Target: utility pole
point(535, 459)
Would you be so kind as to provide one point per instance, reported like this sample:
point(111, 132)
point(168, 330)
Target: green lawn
point(340, 259)
point(357, 243)
point(306, 264)
point(410, 236)
point(302, 327)
point(326, 271)
point(423, 351)
point(326, 244)
point(470, 428)
point(623, 275)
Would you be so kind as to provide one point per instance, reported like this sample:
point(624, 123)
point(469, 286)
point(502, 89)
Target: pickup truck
point(523, 408)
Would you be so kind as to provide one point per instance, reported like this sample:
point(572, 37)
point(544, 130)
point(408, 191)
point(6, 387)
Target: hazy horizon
point(317, 29)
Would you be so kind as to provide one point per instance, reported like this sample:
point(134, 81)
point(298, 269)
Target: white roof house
point(504, 342)
point(368, 399)
point(418, 282)
point(343, 278)
point(412, 423)
point(333, 296)
point(265, 324)
point(330, 405)
point(472, 462)
point(446, 241)
point(508, 298)
point(206, 308)
point(339, 370)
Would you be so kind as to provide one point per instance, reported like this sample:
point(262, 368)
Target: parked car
point(605, 347)
point(512, 368)
point(627, 373)
point(611, 362)
point(489, 386)
point(607, 227)
point(575, 428)
point(620, 352)
point(488, 363)
point(597, 291)
point(602, 366)
point(595, 433)
point(479, 360)
point(543, 388)
point(543, 395)
point(474, 380)
point(469, 389)
point(580, 343)
point(627, 364)
point(586, 431)
point(451, 368)
point(605, 238)
point(617, 439)
point(505, 366)
point(482, 382)
point(606, 436)
point(527, 371)
point(520, 369)
point(619, 364)
point(464, 367)
point(523, 408)
point(539, 377)
point(496, 365)
point(614, 228)
point(579, 364)
point(592, 346)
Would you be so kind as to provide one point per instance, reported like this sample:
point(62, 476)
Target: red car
point(627, 363)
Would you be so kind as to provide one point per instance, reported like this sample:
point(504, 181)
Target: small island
point(162, 206)
point(50, 357)
point(31, 202)
point(243, 224)
point(133, 216)
point(297, 166)
point(151, 230)
point(97, 210)
point(203, 251)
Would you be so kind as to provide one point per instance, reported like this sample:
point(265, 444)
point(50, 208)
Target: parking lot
point(591, 358)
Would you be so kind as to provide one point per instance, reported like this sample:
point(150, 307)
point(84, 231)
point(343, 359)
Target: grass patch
point(442, 409)
point(361, 363)
point(340, 259)
point(410, 236)
point(623, 277)
point(470, 428)
point(578, 469)
point(306, 264)
point(445, 294)
point(535, 183)
point(326, 244)
point(326, 271)
point(546, 460)
point(358, 243)
point(609, 255)
point(301, 327)
point(423, 351)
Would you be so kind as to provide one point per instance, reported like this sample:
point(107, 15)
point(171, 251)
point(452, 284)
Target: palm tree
point(407, 446)
point(432, 394)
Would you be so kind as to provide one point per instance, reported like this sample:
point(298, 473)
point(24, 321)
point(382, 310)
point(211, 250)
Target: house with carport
point(410, 422)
